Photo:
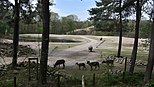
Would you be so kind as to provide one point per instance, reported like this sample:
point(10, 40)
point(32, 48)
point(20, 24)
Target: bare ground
point(79, 53)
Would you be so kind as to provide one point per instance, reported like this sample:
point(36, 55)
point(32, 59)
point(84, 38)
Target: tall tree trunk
point(45, 41)
point(15, 34)
point(135, 47)
point(150, 64)
point(120, 35)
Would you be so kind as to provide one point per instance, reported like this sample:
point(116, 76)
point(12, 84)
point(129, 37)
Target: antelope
point(90, 48)
point(81, 65)
point(59, 62)
point(91, 64)
point(108, 62)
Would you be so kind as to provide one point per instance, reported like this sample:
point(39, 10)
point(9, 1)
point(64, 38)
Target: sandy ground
point(79, 53)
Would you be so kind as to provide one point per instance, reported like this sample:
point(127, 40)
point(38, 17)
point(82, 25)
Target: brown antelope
point(59, 62)
point(81, 65)
point(95, 64)
point(109, 62)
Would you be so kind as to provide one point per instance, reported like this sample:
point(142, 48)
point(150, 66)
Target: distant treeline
point(111, 29)
point(61, 25)
point(58, 25)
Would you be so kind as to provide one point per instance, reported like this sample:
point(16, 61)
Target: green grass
point(74, 70)
point(126, 53)
point(71, 77)
point(93, 37)
point(74, 37)
point(51, 39)
point(62, 46)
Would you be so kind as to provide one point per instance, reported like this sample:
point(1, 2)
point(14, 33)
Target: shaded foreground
point(106, 76)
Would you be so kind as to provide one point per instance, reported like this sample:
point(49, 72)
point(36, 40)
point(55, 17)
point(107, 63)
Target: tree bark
point(15, 34)
point(150, 64)
point(45, 41)
point(120, 35)
point(135, 46)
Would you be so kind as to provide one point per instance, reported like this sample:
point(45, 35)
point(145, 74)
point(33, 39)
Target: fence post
point(29, 69)
point(37, 69)
point(93, 80)
point(125, 67)
point(58, 83)
point(29, 60)
point(14, 81)
point(83, 81)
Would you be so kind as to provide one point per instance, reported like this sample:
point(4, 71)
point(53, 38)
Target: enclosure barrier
point(29, 60)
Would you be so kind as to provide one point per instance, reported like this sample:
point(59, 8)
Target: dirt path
point(80, 52)
point(75, 54)
point(72, 55)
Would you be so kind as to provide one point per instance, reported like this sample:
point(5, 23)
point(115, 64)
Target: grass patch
point(71, 77)
point(62, 46)
point(94, 37)
point(74, 37)
point(126, 53)
point(25, 39)
point(51, 39)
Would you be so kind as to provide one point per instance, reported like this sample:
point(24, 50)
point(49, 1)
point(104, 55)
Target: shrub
point(134, 79)
point(4, 28)
point(6, 83)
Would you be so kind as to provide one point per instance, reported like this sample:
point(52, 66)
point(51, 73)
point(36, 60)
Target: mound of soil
point(6, 49)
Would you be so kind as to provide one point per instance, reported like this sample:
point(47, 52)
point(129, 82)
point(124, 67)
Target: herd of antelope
point(93, 65)
point(110, 60)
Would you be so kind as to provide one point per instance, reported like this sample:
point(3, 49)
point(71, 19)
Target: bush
point(149, 84)
point(4, 28)
point(134, 79)
point(6, 83)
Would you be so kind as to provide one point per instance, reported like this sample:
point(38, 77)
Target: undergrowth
point(103, 77)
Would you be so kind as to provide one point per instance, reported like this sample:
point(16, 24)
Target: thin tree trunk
point(135, 47)
point(120, 35)
point(45, 41)
point(15, 34)
point(150, 64)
